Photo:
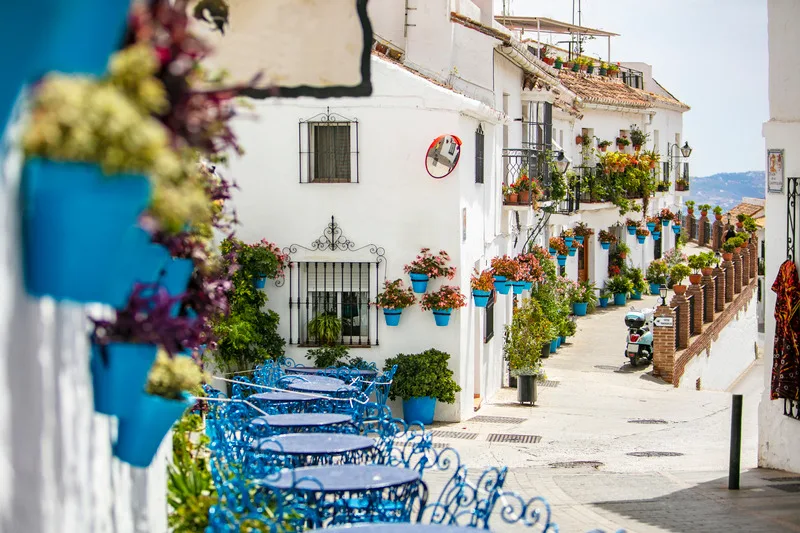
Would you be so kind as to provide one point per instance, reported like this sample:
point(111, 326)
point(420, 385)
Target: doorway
point(583, 261)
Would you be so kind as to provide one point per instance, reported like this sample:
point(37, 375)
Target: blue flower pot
point(568, 240)
point(518, 286)
point(419, 282)
point(579, 308)
point(392, 316)
point(501, 284)
point(260, 281)
point(563, 341)
point(641, 238)
point(654, 288)
point(481, 298)
point(140, 434)
point(620, 298)
point(419, 409)
point(118, 381)
point(676, 230)
point(631, 230)
point(528, 285)
point(150, 260)
point(636, 295)
point(553, 345)
point(74, 226)
point(605, 245)
point(562, 260)
point(442, 316)
point(572, 252)
point(656, 235)
point(552, 251)
point(603, 302)
point(175, 277)
point(651, 226)
point(558, 342)
point(664, 222)
point(579, 238)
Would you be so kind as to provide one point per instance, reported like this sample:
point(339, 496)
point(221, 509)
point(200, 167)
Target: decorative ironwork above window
point(328, 149)
point(480, 147)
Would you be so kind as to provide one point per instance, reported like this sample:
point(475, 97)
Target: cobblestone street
point(611, 447)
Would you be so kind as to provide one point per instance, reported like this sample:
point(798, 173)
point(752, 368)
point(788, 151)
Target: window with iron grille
point(341, 289)
point(479, 151)
point(489, 333)
point(657, 244)
point(328, 149)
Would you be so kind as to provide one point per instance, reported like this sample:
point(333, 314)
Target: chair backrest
point(522, 512)
point(465, 502)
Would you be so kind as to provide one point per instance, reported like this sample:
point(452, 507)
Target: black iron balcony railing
point(526, 169)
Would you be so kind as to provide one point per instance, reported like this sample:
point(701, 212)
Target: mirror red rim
point(436, 140)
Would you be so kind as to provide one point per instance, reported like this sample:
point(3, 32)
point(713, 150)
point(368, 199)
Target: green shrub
point(524, 337)
point(636, 278)
point(678, 273)
point(619, 285)
point(328, 356)
point(423, 374)
point(657, 272)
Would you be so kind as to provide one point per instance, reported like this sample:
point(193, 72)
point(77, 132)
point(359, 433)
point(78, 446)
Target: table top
point(314, 444)
point(315, 378)
point(343, 478)
point(403, 528)
point(314, 370)
point(303, 419)
point(321, 386)
point(283, 396)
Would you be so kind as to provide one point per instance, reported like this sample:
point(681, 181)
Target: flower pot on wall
point(580, 308)
point(518, 286)
point(664, 222)
point(631, 230)
point(605, 245)
point(707, 271)
point(568, 241)
point(524, 197)
point(656, 235)
point(727, 256)
point(419, 282)
point(501, 284)
point(67, 209)
point(562, 260)
point(641, 238)
point(140, 434)
point(580, 239)
point(442, 316)
point(419, 409)
point(392, 316)
point(572, 252)
point(651, 226)
point(260, 281)
point(528, 285)
point(676, 230)
point(481, 298)
point(119, 374)
point(513, 198)
point(620, 298)
point(526, 389)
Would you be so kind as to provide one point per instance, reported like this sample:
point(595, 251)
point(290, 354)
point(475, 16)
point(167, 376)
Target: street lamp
point(662, 291)
point(686, 150)
point(562, 163)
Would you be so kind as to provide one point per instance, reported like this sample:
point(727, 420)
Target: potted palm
point(606, 238)
point(420, 380)
point(657, 272)
point(155, 408)
point(394, 298)
point(482, 284)
point(504, 270)
point(638, 284)
point(442, 303)
point(427, 266)
point(524, 340)
point(677, 274)
point(619, 286)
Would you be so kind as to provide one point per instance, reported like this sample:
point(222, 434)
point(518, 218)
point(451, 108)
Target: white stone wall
point(728, 356)
point(55, 452)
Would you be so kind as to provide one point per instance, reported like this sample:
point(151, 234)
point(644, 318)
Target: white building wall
point(388, 20)
point(55, 452)
point(728, 356)
point(778, 434)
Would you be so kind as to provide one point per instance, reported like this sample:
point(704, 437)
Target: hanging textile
point(786, 353)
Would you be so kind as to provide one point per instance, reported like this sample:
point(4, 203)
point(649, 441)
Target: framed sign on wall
point(775, 170)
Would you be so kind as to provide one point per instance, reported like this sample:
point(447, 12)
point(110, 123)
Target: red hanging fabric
point(786, 355)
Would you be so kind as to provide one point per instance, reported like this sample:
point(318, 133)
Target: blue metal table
point(295, 450)
point(322, 387)
point(404, 528)
point(269, 425)
point(283, 396)
point(312, 378)
point(326, 371)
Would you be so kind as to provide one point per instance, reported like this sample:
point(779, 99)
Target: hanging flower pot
point(572, 252)
point(149, 261)
point(518, 286)
point(528, 285)
point(631, 230)
point(501, 284)
point(656, 235)
point(442, 316)
point(665, 222)
point(605, 245)
point(579, 239)
point(580, 308)
point(140, 434)
point(676, 229)
point(568, 240)
point(481, 298)
point(553, 251)
point(641, 238)
point(651, 226)
point(419, 282)
point(260, 281)
point(562, 260)
point(119, 374)
point(392, 316)
point(67, 209)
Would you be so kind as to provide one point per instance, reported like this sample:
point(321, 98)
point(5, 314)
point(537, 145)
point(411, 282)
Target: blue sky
point(710, 54)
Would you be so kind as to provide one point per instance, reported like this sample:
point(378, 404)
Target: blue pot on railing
point(572, 252)
point(602, 301)
point(481, 298)
point(656, 235)
point(260, 281)
point(419, 409)
point(528, 285)
point(579, 239)
point(419, 282)
point(392, 316)
point(664, 222)
point(641, 238)
point(501, 284)
point(562, 260)
point(655, 288)
point(442, 316)
point(636, 295)
point(631, 230)
point(553, 345)
point(580, 308)
point(120, 377)
point(651, 226)
point(141, 433)
point(74, 226)
point(676, 229)
point(620, 298)
point(568, 240)
point(518, 286)
point(553, 251)
point(605, 245)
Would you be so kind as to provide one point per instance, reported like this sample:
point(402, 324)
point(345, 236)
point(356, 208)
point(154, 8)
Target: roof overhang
point(546, 25)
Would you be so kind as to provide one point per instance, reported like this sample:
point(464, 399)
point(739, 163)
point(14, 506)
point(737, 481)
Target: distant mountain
point(727, 188)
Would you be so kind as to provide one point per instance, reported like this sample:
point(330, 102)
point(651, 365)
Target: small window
point(329, 149)
point(489, 318)
point(479, 151)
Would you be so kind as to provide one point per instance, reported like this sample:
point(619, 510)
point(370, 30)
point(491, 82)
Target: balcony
point(523, 166)
point(682, 181)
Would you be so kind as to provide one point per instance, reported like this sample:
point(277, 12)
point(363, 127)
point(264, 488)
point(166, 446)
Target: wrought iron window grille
point(328, 149)
point(489, 333)
point(480, 147)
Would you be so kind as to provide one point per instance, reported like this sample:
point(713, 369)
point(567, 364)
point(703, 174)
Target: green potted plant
point(603, 145)
point(696, 263)
point(524, 340)
point(728, 247)
point(606, 238)
point(558, 63)
point(394, 298)
point(717, 212)
point(329, 356)
point(325, 328)
point(690, 207)
point(422, 379)
point(677, 274)
point(602, 300)
point(442, 303)
point(657, 272)
point(622, 142)
point(619, 286)
point(638, 137)
point(750, 225)
point(582, 297)
point(162, 402)
point(638, 284)
point(582, 232)
point(740, 218)
point(482, 284)
point(427, 266)
point(623, 250)
point(704, 208)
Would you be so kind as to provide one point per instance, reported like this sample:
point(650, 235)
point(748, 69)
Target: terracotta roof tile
point(599, 90)
point(747, 209)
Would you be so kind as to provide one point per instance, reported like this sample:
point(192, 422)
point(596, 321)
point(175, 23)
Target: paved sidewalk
point(609, 446)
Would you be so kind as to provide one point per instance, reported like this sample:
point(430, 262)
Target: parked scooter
point(640, 336)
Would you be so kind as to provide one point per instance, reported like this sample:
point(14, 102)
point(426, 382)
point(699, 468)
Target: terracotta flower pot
point(623, 255)
point(694, 279)
point(703, 213)
point(621, 147)
point(727, 256)
point(652, 165)
point(740, 225)
point(718, 217)
point(679, 289)
point(707, 271)
point(690, 211)
point(637, 147)
point(578, 139)
point(602, 148)
point(524, 197)
point(513, 198)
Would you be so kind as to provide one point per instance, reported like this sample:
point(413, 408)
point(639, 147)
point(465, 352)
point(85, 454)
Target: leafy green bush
point(657, 272)
point(678, 273)
point(524, 337)
point(190, 489)
point(619, 285)
point(328, 356)
point(636, 278)
point(423, 374)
